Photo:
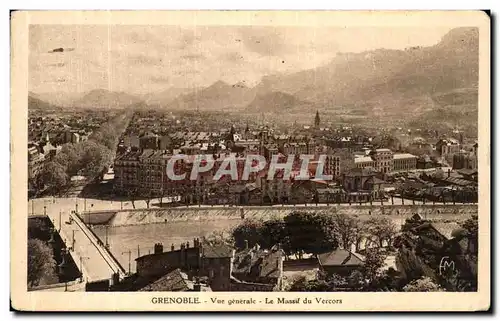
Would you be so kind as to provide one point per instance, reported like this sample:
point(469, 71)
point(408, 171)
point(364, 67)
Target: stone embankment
point(185, 214)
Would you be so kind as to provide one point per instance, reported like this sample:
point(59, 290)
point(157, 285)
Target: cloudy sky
point(142, 59)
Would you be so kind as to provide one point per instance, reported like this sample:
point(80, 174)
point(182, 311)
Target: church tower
point(316, 119)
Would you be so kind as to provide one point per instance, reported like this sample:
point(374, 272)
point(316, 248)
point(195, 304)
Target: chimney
point(449, 172)
point(182, 258)
point(246, 244)
point(172, 248)
point(158, 248)
point(187, 245)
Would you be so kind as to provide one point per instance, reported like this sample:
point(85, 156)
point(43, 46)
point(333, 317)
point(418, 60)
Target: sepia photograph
point(280, 157)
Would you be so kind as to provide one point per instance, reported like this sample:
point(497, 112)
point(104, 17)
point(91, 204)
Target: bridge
point(90, 255)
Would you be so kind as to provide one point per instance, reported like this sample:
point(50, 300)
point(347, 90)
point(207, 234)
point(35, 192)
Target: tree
point(273, 232)
point(381, 229)
point(304, 285)
point(388, 280)
point(70, 157)
point(132, 195)
point(248, 231)
point(356, 280)
point(374, 261)
point(424, 284)
point(310, 232)
point(219, 237)
point(471, 226)
point(95, 159)
point(348, 229)
point(41, 263)
point(53, 177)
point(386, 141)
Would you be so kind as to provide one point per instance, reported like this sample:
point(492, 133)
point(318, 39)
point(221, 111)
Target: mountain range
point(380, 83)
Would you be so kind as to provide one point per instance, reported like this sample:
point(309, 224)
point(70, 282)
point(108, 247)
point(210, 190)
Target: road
point(66, 205)
point(86, 253)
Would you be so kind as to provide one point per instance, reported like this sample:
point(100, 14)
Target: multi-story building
point(295, 148)
point(224, 267)
point(71, 137)
point(364, 162)
point(464, 160)
point(404, 162)
point(447, 147)
point(276, 190)
point(149, 141)
point(332, 166)
point(383, 158)
point(145, 173)
point(126, 170)
point(35, 160)
point(385, 161)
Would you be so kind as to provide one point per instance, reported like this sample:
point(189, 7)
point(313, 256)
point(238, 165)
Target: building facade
point(404, 162)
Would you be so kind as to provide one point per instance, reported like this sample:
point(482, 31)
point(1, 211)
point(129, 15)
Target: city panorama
point(252, 158)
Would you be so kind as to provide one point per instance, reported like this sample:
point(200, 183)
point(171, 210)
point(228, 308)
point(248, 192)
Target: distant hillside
point(62, 99)
point(276, 102)
point(101, 98)
point(218, 96)
point(165, 97)
point(391, 83)
point(34, 102)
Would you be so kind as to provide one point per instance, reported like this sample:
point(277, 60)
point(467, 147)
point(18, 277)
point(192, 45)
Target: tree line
point(300, 233)
point(315, 232)
point(90, 158)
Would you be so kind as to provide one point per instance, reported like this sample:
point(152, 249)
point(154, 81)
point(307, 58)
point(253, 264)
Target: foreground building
point(217, 267)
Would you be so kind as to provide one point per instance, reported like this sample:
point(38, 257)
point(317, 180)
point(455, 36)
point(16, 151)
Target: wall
point(150, 216)
point(158, 264)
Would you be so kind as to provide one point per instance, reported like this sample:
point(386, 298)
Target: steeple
point(316, 119)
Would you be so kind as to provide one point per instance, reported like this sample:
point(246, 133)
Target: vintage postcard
point(250, 161)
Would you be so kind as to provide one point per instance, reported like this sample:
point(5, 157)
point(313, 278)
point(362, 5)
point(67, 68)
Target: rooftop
point(363, 159)
point(175, 281)
point(403, 156)
point(339, 257)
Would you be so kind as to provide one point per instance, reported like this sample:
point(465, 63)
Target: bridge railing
point(110, 260)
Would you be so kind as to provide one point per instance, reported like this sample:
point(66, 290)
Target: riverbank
point(116, 218)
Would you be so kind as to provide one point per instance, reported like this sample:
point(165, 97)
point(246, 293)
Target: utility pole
point(76, 205)
point(107, 244)
point(84, 204)
point(60, 221)
point(73, 241)
point(81, 266)
point(138, 251)
point(45, 210)
point(129, 258)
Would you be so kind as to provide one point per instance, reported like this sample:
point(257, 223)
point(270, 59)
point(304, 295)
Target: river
point(140, 239)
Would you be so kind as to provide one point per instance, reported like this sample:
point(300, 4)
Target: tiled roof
point(445, 229)
point(174, 281)
point(339, 257)
point(458, 181)
point(360, 172)
point(217, 251)
point(403, 156)
point(258, 263)
point(363, 159)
